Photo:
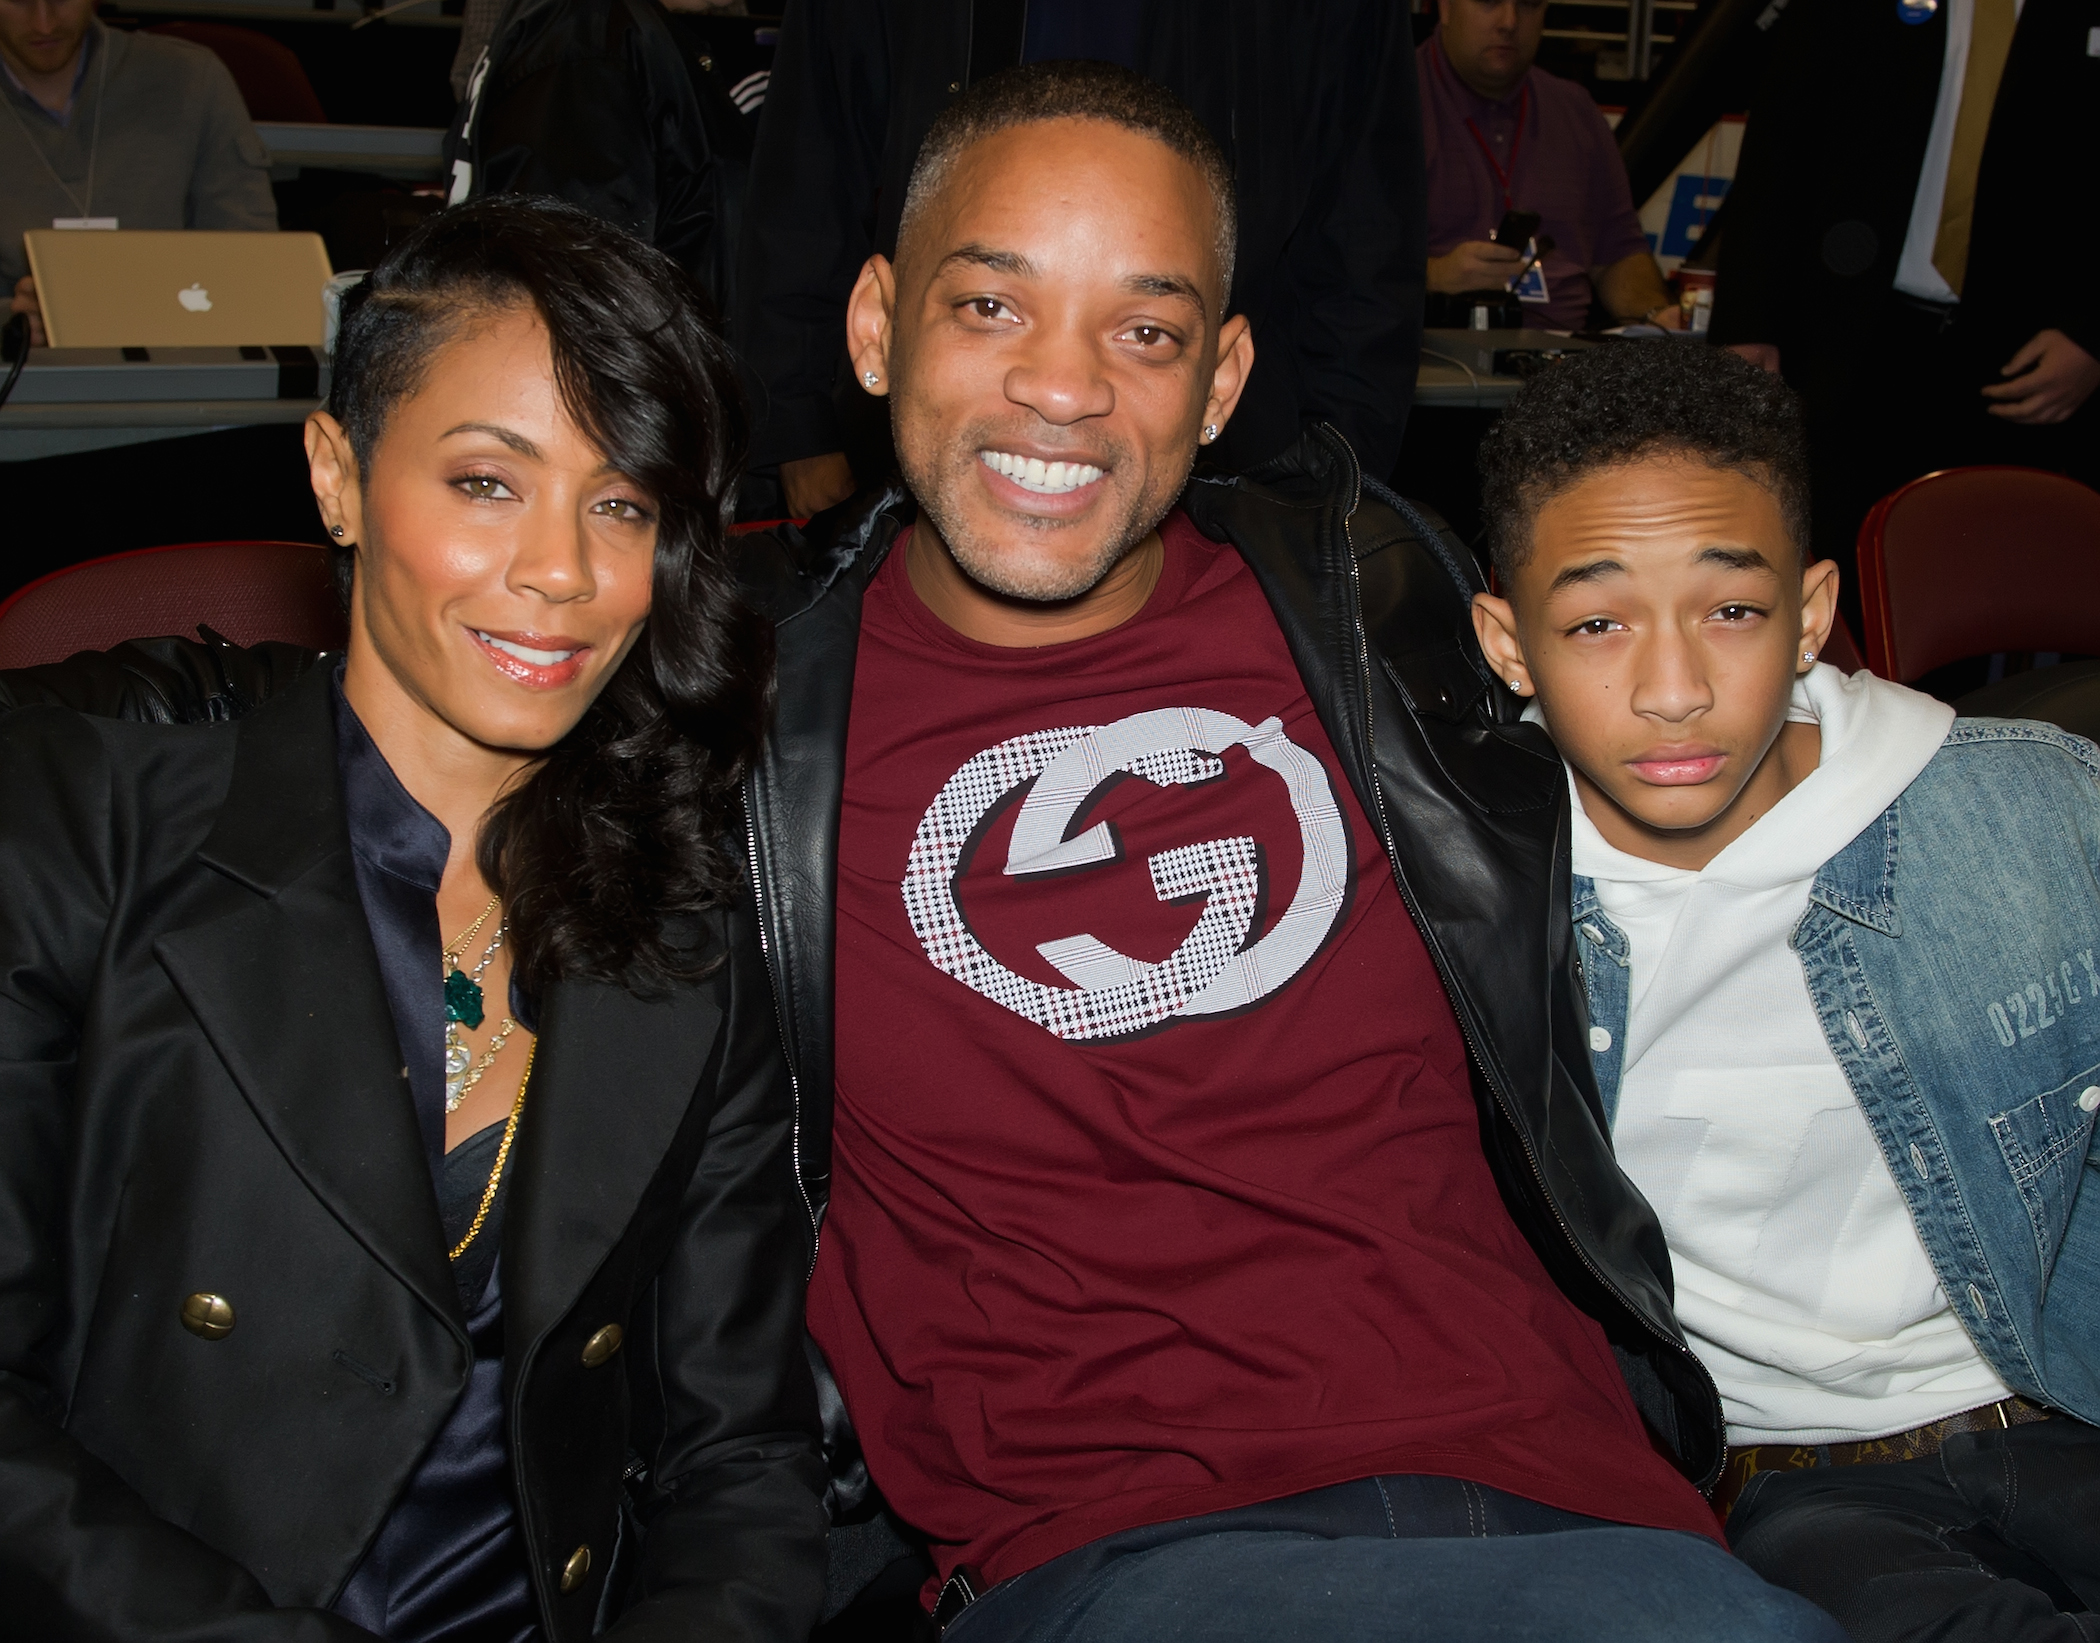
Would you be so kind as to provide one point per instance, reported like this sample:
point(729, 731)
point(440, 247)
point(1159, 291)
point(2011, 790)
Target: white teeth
point(1032, 473)
point(524, 653)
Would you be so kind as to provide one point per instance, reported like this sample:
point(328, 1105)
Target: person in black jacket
point(594, 102)
point(1169, 927)
point(1314, 104)
point(397, 1196)
point(1908, 238)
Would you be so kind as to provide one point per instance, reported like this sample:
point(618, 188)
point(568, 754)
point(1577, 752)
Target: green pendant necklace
point(464, 1008)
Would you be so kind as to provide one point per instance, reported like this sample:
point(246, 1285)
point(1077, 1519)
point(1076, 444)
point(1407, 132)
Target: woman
point(396, 1235)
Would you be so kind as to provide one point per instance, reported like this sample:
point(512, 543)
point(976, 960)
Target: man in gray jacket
point(116, 130)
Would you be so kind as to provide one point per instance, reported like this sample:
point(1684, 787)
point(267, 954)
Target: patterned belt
point(1919, 1443)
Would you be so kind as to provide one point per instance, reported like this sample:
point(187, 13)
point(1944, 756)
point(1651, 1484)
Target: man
point(1313, 102)
point(1907, 237)
point(1170, 947)
point(1839, 949)
point(113, 130)
point(1501, 135)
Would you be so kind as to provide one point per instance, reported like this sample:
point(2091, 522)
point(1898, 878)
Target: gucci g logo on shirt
point(1218, 967)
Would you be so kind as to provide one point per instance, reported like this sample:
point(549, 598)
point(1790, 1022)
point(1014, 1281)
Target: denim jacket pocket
point(2044, 1144)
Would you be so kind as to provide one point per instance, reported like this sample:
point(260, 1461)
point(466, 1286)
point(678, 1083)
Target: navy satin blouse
point(448, 1565)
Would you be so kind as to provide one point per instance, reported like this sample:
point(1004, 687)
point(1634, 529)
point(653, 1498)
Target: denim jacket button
point(2089, 1098)
point(1600, 1041)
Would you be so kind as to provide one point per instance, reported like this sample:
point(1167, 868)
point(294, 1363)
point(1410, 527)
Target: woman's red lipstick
point(539, 661)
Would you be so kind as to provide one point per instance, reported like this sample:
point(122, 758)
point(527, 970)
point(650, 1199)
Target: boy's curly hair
point(1623, 401)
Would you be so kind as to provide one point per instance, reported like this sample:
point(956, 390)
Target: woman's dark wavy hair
point(623, 827)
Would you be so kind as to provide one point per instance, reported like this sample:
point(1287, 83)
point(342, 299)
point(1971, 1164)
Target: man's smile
point(1032, 473)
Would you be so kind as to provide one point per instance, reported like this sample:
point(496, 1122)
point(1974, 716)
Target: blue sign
point(1692, 207)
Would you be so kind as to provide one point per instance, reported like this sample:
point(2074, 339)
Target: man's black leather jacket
point(1375, 604)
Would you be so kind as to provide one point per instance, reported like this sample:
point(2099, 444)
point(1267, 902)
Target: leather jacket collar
point(1374, 602)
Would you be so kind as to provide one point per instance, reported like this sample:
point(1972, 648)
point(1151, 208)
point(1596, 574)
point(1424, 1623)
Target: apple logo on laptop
point(196, 299)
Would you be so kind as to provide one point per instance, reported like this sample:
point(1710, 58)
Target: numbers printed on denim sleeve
point(2039, 1005)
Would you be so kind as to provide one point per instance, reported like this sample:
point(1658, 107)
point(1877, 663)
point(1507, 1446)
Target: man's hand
point(810, 484)
point(2051, 377)
point(25, 303)
point(1478, 265)
point(1761, 354)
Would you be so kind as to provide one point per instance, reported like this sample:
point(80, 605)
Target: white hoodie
point(1801, 1281)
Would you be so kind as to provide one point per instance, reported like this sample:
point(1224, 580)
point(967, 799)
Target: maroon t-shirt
point(1157, 1183)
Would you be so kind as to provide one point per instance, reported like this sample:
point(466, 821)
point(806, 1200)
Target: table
point(89, 399)
point(1458, 367)
point(408, 153)
point(425, 14)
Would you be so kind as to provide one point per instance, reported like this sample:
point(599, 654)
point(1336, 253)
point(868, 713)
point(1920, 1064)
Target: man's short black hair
point(1620, 402)
point(1073, 90)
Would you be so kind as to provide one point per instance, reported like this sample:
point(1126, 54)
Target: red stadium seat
point(1971, 561)
point(271, 79)
point(247, 591)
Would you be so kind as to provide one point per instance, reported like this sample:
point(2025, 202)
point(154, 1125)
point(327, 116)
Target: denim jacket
point(1952, 951)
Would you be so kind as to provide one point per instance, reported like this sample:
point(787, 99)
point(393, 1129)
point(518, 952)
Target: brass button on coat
point(602, 1345)
point(573, 1571)
point(209, 1317)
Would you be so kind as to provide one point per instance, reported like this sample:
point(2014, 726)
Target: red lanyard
point(1503, 174)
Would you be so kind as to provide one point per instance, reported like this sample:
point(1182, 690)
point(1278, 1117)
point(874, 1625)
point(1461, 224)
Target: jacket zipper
point(1385, 834)
point(787, 1052)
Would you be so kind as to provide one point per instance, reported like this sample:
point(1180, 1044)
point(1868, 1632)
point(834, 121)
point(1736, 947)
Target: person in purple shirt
point(1501, 135)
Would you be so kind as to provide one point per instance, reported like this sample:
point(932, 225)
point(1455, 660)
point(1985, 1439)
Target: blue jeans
point(1393, 1558)
point(1996, 1539)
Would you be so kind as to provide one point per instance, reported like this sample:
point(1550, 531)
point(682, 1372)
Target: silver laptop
point(146, 288)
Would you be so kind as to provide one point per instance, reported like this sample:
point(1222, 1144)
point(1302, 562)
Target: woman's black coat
point(200, 1092)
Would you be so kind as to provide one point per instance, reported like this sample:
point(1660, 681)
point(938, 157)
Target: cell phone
point(1516, 228)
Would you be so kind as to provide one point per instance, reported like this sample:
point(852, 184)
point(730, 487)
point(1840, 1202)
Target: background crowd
point(1876, 247)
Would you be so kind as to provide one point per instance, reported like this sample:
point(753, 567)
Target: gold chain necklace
point(510, 1131)
point(451, 953)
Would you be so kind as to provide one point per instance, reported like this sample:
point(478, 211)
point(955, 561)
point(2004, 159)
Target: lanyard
point(94, 142)
point(1504, 174)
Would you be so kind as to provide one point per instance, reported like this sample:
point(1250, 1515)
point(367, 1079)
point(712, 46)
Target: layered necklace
point(463, 1008)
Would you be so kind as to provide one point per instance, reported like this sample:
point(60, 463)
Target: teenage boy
point(1840, 952)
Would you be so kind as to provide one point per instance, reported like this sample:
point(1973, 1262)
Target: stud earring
point(870, 377)
point(335, 530)
point(1516, 687)
point(1808, 656)
point(1210, 432)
